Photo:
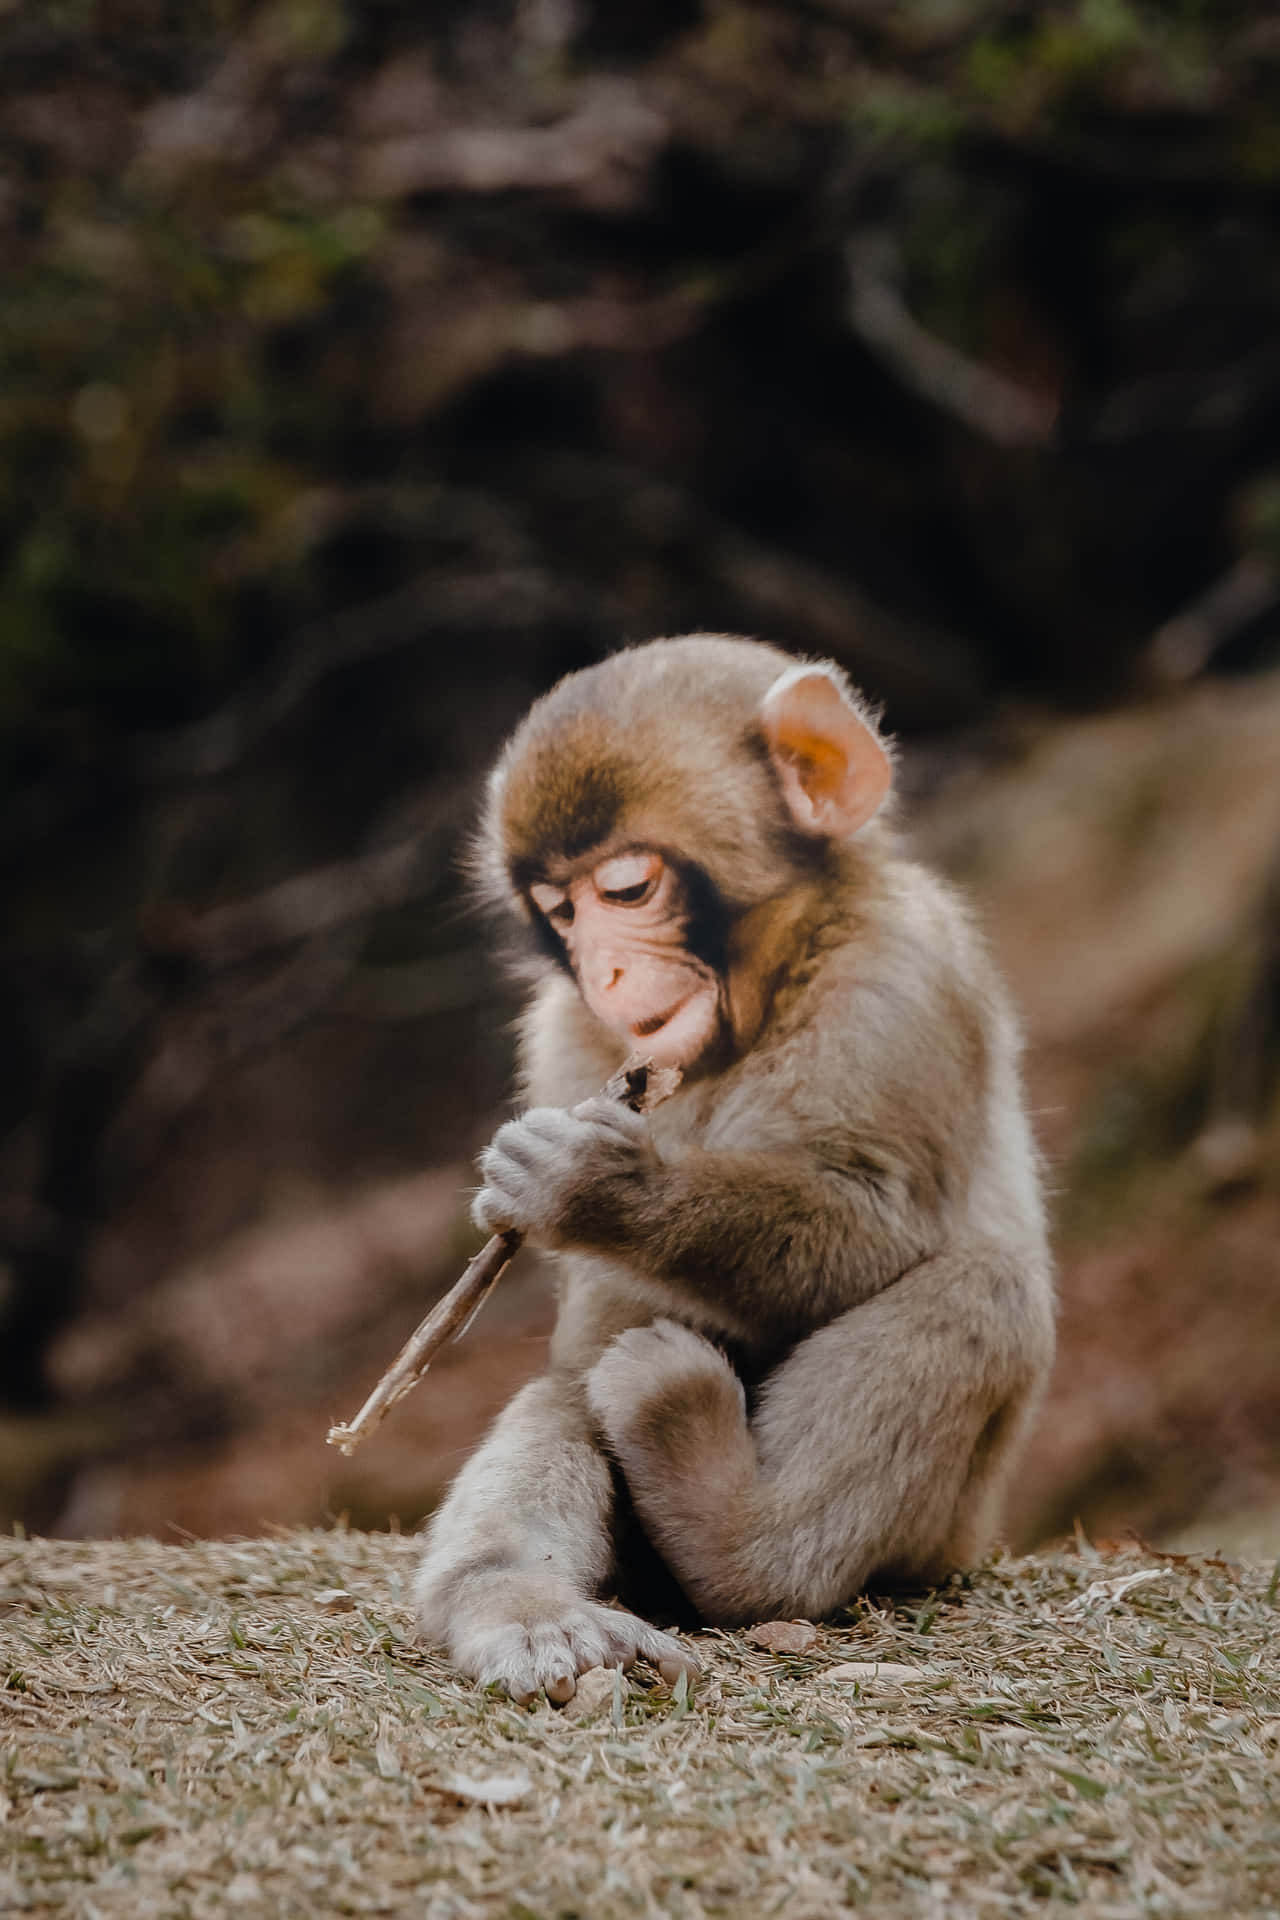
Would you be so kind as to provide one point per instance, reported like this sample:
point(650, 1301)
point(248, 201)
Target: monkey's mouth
point(641, 1029)
point(682, 1032)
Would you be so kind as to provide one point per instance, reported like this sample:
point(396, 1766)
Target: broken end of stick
point(641, 1085)
point(393, 1386)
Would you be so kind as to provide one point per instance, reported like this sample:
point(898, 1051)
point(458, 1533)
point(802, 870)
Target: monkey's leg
point(519, 1547)
point(879, 1446)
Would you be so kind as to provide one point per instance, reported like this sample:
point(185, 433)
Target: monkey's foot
point(534, 1635)
point(668, 1402)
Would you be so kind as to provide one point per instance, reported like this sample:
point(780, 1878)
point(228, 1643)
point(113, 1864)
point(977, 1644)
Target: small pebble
point(595, 1693)
point(783, 1636)
point(335, 1600)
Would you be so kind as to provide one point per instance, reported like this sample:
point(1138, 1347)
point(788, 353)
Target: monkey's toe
point(529, 1657)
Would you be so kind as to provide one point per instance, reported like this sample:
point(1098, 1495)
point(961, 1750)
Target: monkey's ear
point(832, 768)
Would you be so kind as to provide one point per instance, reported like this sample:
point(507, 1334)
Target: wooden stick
point(639, 1085)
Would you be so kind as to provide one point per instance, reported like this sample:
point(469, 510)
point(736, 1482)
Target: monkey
point(805, 1307)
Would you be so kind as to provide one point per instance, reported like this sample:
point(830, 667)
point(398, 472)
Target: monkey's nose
point(604, 977)
point(605, 967)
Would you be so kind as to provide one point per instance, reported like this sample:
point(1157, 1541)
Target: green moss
point(889, 107)
point(1255, 149)
point(308, 29)
point(949, 249)
point(1257, 515)
point(1063, 62)
point(994, 69)
point(141, 491)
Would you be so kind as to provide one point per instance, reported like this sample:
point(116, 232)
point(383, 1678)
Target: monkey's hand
point(555, 1170)
point(532, 1633)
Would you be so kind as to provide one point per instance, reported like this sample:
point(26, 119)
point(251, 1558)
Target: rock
point(499, 1790)
point(882, 1673)
point(783, 1636)
point(595, 1693)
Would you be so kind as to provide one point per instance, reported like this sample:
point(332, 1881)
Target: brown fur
point(846, 1200)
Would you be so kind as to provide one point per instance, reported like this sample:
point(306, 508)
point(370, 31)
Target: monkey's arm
point(776, 1240)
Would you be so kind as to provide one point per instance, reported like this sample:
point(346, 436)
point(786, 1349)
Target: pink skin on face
point(623, 926)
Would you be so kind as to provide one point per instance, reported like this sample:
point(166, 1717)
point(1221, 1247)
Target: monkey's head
point(648, 804)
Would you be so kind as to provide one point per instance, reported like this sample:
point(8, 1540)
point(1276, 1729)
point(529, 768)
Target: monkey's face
point(653, 810)
point(623, 920)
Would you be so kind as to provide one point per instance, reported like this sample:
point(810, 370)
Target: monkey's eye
point(553, 903)
point(629, 879)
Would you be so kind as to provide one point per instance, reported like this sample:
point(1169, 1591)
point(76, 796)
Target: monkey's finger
point(610, 1116)
point(513, 1171)
point(672, 1667)
point(519, 1179)
point(522, 1141)
point(558, 1651)
point(527, 1694)
point(567, 1129)
point(538, 1145)
point(664, 1651)
point(495, 1211)
point(493, 1162)
point(541, 1123)
point(522, 1660)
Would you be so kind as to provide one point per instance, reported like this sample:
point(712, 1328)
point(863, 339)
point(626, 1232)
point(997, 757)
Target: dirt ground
point(249, 1728)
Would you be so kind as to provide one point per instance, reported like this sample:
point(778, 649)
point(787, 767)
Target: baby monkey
point(805, 1307)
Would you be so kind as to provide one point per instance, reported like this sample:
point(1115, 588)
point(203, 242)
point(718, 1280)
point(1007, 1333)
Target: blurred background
point(364, 367)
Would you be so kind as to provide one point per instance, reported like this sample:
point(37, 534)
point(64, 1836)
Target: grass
point(249, 1728)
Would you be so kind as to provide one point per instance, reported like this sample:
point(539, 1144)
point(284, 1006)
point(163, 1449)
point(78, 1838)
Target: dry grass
point(190, 1731)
